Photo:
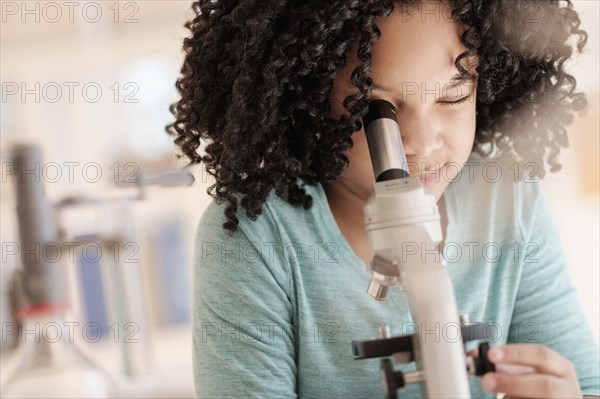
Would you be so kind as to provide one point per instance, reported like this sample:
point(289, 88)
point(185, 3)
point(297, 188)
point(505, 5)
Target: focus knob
point(482, 363)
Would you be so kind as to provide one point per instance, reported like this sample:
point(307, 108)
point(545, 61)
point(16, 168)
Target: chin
point(438, 190)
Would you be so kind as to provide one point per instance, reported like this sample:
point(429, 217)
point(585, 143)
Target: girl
point(278, 90)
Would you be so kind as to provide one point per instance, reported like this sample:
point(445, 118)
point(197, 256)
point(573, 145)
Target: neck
point(346, 206)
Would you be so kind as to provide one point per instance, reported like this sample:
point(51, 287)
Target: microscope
point(56, 367)
point(400, 210)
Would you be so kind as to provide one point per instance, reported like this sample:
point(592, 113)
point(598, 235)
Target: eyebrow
point(456, 80)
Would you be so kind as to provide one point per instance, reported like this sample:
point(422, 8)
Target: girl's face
point(413, 63)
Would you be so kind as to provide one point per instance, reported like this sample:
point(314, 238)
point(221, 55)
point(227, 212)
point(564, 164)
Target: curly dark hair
point(257, 75)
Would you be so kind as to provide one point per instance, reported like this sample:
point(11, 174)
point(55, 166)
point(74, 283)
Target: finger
point(512, 397)
point(528, 386)
point(514, 369)
point(544, 359)
point(473, 352)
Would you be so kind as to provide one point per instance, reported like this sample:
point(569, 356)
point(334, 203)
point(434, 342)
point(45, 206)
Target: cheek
point(360, 171)
point(460, 131)
point(360, 159)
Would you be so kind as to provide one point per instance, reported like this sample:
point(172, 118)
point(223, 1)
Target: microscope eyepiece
point(385, 144)
point(380, 109)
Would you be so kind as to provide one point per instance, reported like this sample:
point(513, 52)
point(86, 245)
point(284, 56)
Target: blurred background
point(91, 83)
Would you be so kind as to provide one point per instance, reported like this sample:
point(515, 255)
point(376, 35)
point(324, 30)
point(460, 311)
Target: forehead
point(417, 45)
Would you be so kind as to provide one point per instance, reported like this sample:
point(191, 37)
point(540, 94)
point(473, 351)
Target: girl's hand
point(530, 371)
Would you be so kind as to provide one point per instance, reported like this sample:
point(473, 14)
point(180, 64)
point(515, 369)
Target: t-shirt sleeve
point(547, 310)
point(243, 338)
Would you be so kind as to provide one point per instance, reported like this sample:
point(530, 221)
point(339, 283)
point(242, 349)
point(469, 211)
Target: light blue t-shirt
point(277, 304)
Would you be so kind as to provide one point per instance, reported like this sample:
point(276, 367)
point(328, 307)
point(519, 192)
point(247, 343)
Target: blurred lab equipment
point(48, 362)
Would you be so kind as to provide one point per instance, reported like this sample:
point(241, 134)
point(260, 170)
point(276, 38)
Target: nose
point(420, 135)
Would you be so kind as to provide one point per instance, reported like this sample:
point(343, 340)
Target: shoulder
point(264, 242)
point(279, 218)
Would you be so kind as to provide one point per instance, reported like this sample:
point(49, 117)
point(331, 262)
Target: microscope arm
point(439, 345)
point(392, 228)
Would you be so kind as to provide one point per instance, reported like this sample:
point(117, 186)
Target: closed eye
point(462, 100)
